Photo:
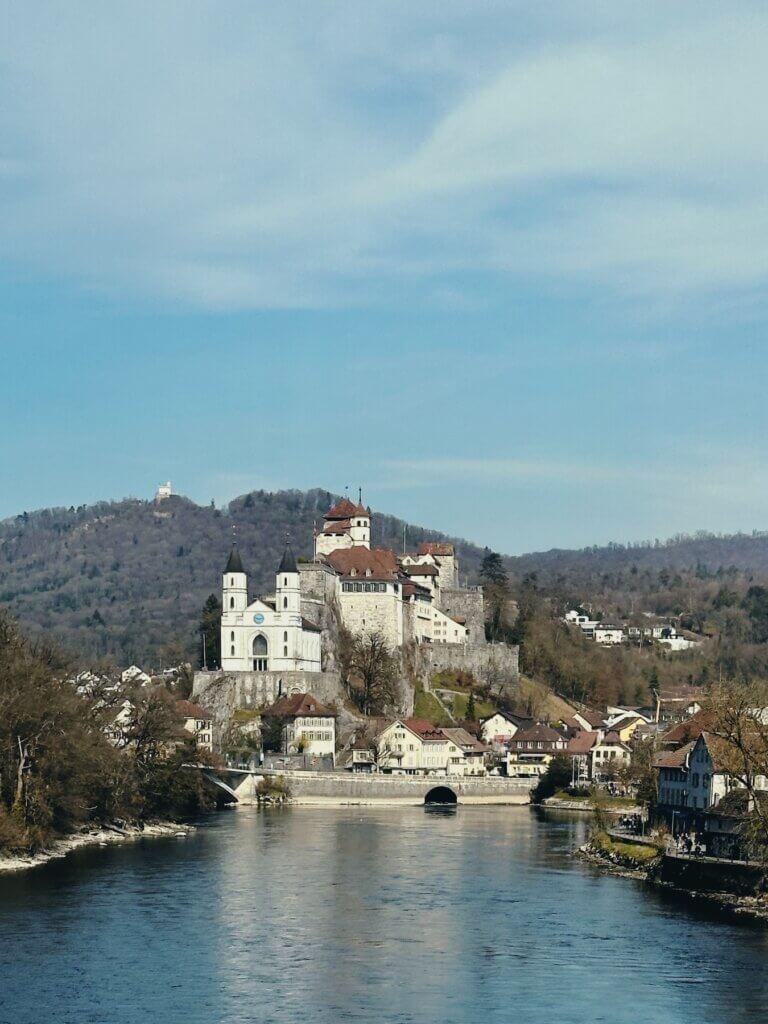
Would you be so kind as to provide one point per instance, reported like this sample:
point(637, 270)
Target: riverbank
point(645, 864)
point(105, 836)
point(584, 804)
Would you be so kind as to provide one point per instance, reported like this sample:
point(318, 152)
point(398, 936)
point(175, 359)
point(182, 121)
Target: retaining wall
point(702, 875)
point(359, 788)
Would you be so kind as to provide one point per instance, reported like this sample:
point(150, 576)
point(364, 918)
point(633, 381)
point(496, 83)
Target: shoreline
point(104, 836)
point(754, 908)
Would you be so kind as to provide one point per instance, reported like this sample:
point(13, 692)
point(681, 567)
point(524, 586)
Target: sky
point(503, 265)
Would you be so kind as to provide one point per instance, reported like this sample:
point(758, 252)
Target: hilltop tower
point(360, 524)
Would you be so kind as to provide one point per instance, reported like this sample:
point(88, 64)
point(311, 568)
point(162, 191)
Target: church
point(269, 635)
point(414, 597)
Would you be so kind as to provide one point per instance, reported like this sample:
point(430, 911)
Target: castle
point(413, 597)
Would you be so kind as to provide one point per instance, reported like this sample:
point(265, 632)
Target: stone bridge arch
point(442, 795)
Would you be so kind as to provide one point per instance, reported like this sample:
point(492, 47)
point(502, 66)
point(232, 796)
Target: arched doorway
point(442, 796)
point(260, 653)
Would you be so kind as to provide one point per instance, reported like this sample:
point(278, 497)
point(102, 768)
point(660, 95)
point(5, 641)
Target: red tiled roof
point(582, 742)
point(303, 704)
point(673, 758)
point(537, 734)
point(422, 728)
point(381, 562)
point(689, 728)
point(339, 526)
point(421, 570)
point(343, 509)
point(595, 719)
point(435, 548)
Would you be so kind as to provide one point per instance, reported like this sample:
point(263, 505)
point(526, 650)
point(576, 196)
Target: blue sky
point(502, 264)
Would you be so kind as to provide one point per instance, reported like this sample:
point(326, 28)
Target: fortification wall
point(497, 664)
point(466, 603)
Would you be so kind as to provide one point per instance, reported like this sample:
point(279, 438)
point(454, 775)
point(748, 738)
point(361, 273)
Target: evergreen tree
point(471, 711)
point(210, 630)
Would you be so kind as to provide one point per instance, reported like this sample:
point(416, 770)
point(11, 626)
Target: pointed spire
point(288, 562)
point(234, 562)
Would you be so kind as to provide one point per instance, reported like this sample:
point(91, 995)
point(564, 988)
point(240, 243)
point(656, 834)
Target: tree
point(471, 713)
point(210, 630)
point(496, 591)
point(740, 726)
point(756, 606)
point(556, 777)
point(373, 673)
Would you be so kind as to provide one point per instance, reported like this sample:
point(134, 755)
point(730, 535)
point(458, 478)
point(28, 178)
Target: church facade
point(266, 635)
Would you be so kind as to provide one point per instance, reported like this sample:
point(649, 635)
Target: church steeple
point(234, 562)
point(288, 562)
point(288, 583)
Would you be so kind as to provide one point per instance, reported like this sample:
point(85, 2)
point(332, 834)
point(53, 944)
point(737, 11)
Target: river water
point(387, 915)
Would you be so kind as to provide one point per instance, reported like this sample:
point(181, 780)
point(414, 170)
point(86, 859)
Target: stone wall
point(711, 876)
point(491, 663)
point(354, 787)
point(223, 693)
point(466, 603)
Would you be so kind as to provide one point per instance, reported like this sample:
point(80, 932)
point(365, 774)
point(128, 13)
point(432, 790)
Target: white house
point(196, 721)
point(608, 634)
point(308, 726)
point(135, 676)
point(499, 728)
point(608, 754)
point(266, 635)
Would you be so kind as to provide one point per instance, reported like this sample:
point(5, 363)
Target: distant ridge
point(123, 578)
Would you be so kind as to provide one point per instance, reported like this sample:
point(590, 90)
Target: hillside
point(124, 578)
point(747, 552)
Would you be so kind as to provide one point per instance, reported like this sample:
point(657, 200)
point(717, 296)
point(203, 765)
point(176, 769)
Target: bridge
point(341, 788)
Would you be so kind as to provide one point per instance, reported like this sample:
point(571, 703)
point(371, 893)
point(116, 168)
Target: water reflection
point(396, 914)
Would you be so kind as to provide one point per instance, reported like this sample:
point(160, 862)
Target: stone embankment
point(105, 836)
point(732, 886)
point(342, 788)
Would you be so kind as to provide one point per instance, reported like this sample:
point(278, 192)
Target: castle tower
point(288, 584)
point(360, 524)
point(235, 584)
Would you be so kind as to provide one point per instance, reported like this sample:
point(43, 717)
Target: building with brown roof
point(197, 721)
point(531, 751)
point(306, 725)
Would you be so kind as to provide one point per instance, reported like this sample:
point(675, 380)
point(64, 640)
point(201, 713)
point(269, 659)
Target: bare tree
point(739, 717)
point(373, 674)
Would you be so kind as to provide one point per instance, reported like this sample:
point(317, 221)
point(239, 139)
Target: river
point(394, 915)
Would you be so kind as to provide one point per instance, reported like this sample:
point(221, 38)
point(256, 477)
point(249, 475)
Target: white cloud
point(315, 155)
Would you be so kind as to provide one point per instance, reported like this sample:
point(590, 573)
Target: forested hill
point(747, 552)
point(125, 578)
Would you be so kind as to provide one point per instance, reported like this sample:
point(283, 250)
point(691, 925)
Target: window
point(285, 581)
point(260, 653)
point(285, 602)
point(232, 651)
point(231, 582)
point(231, 602)
point(285, 652)
point(232, 636)
point(285, 637)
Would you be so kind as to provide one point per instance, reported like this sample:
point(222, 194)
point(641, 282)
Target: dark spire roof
point(234, 562)
point(288, 563)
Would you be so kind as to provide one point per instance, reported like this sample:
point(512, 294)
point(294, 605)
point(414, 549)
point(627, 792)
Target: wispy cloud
point(316, 155)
